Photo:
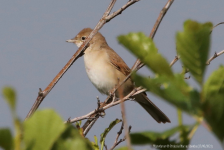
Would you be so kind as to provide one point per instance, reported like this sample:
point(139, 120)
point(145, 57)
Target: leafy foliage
point(162, 138)
point(10, 96)
point(193, 47)
point(213, 100)
point(175, 91)
point(145, 49)
point(6, 140)
point(71, 139)
point(106, 131)
point(44, 130)
point(44, 127)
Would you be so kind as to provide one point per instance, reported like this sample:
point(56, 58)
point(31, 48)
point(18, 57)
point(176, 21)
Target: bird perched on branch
point(105, 68)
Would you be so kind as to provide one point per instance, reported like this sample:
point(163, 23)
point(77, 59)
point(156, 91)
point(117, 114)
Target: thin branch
point(118, 12)
point(103, 107)
point(139, 91)
point(159, 19)
point(216, 26)
point(90, 125)
point(214, 56)
point(187, 77)
point(174, 60)
point(110, 7)
point(98, 111)
point(118, 135)
point(78, 54)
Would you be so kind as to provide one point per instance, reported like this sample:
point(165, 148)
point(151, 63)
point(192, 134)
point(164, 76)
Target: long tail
point(151, 108)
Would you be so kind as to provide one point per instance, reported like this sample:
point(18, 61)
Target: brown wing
point(117, 62)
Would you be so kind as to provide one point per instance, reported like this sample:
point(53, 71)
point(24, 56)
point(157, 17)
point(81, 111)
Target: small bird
point(105, 68)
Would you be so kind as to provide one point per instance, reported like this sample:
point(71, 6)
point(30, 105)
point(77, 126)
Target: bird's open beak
point(70, 41)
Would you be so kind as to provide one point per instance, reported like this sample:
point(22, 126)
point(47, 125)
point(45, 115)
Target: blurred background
point(33, 50)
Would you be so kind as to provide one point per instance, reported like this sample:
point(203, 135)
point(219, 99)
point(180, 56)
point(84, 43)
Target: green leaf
point(107, 130)
point(42, 130)
point(96, 140)
point(72, 140)
point(161, 138)
point(175, 91)
point(192, 45)
point(213, 100)
point(10, 96)
point(145, 49)
point(95, 144)
point(6, 141)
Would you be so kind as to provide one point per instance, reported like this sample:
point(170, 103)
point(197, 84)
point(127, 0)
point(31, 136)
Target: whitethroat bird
point(105, 68)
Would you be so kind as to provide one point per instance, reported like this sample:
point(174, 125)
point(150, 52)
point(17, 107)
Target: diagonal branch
point(174, 60)
point(216, 26)
point(106, 106)
point(214, 56)
point(118, 12)
point(118, 135)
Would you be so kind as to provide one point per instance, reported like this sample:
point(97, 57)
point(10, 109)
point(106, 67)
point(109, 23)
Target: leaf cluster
point(193, 46)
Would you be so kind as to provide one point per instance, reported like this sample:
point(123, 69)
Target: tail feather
point(151, 108)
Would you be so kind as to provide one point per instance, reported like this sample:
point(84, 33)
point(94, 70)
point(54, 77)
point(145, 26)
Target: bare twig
point(139, 91)
point(118, 135)
point(119, 132)
point(90, 125)
point(98, 111)
point(187, 77)
point(174, 60)
point(68, 120)
point(159, 19)
point(106, 106)
point(216, 26)
point(98, 103)
point(118, 12)
point(214, 56)
point(78, 54)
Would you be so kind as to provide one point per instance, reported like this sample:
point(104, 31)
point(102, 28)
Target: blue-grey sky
point(33, 50)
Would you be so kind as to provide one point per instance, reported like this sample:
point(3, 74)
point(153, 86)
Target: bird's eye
point(83, 38)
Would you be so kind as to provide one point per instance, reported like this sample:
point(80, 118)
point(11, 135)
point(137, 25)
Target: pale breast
point(99, 71)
